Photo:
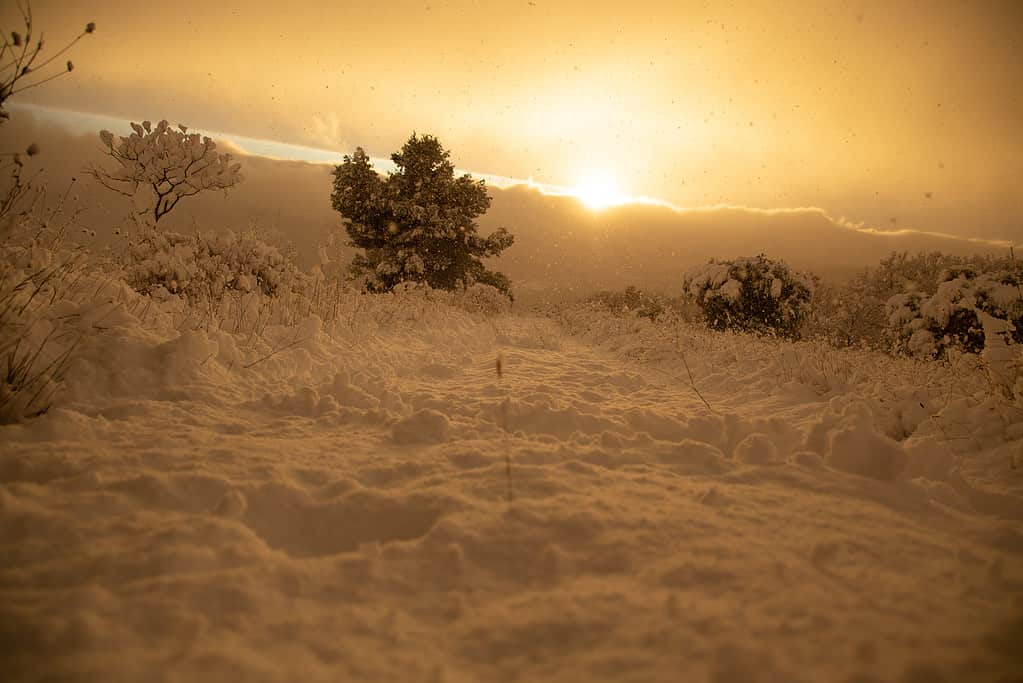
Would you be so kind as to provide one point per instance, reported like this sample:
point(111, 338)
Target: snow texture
point(196, 508)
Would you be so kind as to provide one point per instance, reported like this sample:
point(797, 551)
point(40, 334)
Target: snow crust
point(332, 503)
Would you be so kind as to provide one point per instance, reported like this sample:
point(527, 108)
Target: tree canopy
point(419, 223)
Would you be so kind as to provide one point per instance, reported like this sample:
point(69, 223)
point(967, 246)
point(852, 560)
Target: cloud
point(326, 130)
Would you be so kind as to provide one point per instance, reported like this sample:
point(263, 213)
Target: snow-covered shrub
point(980, 313)
point(854, 313)
point(953, 316)
point(755, 294)
point(205, 265)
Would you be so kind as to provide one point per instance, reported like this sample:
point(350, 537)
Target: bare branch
point(38, 83)
point(62, 50)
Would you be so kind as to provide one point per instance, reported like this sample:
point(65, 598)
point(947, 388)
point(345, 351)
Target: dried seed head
point(90, 27)
point(70, 65)
point(32, 149)
point(16, 38)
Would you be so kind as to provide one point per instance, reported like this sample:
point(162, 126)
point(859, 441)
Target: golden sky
point(872, 110)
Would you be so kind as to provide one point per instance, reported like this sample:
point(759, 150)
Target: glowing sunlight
point(599, 190)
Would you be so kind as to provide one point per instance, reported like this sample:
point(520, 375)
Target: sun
point(598, 190)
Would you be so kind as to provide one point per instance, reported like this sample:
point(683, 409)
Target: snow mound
point(858, 449)
point(423, 426)
point(757, 449)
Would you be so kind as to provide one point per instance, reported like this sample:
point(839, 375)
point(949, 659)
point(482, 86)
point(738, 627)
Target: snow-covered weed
point(479, 299)
point(51, 297)
point(848, 315)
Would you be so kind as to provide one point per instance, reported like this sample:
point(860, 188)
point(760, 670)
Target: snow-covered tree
point(159, 166)
point(419, 223)
point(751, 295)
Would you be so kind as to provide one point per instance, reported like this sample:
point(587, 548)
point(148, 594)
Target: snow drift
point(330, 502)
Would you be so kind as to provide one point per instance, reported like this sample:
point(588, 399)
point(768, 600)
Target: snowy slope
point(339, 510)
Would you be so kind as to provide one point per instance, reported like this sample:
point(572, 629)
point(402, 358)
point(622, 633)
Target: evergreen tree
point(419, 223)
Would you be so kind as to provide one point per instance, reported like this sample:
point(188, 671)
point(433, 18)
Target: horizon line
point(85, 123)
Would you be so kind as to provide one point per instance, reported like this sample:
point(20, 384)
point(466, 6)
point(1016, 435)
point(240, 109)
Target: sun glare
point(598, 190)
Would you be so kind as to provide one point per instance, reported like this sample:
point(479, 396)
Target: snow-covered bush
point(854, 313)
point(916, 277)
point(205, 265)
point(755, 294)
point(158, 167)
point(953, 316)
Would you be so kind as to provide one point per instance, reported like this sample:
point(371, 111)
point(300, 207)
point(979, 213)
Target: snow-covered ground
point(684, 506)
